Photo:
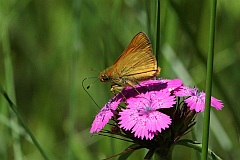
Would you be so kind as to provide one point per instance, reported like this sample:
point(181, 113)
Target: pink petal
point(173, 84)
point(195, 103)
point(184, 91)
point(216, 103)
point(157, 121)
point(128, 118)
point(101, 120)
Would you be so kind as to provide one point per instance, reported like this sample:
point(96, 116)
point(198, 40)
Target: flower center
point(145, 111)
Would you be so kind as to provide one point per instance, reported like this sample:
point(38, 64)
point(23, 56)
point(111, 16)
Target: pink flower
point(196, 100)
point(151, 85)
point(105, 114)
point(142, 115)
point(172, 84)
point(162, 84)
point(152, 114)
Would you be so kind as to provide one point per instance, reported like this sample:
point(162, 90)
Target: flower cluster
point(151, 107)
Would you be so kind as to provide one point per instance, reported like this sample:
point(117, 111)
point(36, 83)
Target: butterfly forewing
point(135, 64)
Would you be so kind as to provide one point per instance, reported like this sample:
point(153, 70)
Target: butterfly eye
point(105, 78)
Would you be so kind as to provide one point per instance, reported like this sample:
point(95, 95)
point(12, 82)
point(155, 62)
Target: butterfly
point(137, 63)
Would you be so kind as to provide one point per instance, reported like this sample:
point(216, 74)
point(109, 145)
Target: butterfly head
point(104, 78)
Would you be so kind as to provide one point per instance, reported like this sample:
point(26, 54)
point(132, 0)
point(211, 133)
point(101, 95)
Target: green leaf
point(128, 151)
point(198, 147)
point(149, 154)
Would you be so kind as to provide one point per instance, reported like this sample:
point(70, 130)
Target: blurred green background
point(48, 47)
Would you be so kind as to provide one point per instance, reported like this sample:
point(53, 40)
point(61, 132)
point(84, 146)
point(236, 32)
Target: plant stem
point(213, 5)
point(157, 45)
point(25, 126)
point(9, 78)
point(165, 153)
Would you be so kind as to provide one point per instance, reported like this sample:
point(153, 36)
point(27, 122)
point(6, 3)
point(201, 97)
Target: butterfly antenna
point(92, 83)
point(87, 91)
point(93, 70)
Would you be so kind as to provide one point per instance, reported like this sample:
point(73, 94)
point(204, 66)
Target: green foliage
point(48, 47)
point(198, 147)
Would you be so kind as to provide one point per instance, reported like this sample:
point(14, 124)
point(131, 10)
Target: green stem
point(9, 77)
point(164, 153)
point(213, 5)
point(25, 126)
point(157, 45)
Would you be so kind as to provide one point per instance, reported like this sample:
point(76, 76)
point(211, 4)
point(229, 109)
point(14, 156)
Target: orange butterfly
point(135, 64)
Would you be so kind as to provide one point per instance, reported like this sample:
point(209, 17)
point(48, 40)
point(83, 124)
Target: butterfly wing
point(137, 62)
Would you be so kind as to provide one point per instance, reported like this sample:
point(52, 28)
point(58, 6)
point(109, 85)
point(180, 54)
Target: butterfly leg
point(132, 84)
point(117, 88)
